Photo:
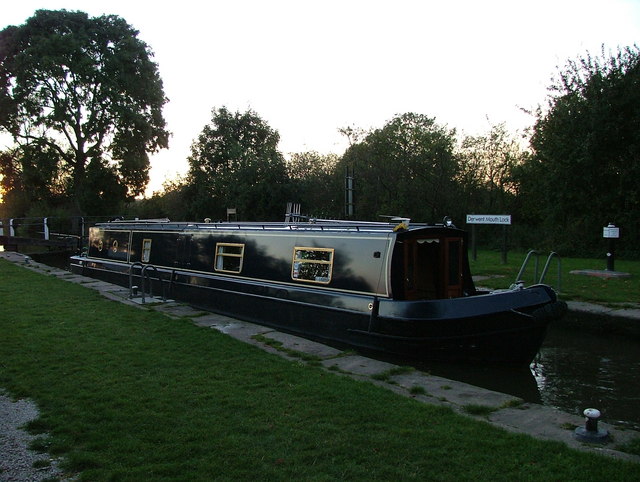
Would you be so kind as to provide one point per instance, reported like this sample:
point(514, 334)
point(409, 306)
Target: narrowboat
point(398, 288)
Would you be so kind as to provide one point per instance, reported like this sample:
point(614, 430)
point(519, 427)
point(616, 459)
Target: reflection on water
point(573, 371)
point(517, 381)
point(577, 370)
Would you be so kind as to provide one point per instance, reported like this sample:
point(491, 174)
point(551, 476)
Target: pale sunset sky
point(310, 67)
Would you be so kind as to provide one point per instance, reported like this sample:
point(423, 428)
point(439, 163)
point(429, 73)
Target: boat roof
point(311, 225)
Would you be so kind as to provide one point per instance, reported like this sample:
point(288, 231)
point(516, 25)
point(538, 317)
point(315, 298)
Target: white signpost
point(504, 219)
point(488, 218)
point(611, 232)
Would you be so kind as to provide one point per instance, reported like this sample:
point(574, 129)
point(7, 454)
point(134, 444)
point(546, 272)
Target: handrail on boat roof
point(312, 225)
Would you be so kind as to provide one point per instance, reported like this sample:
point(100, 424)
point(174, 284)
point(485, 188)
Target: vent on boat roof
point(292, 215)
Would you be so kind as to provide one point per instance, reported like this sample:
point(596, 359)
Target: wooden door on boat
point(421, 269)
point(452, 268)
point(432, 268)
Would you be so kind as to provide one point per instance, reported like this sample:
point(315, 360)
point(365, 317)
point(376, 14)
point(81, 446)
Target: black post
point(504, 244)
point(611, 232)
point(348, 193)
point(474, 250)
point(610, 254)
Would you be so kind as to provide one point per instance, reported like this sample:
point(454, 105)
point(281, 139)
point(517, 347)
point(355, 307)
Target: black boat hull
point(504, 327)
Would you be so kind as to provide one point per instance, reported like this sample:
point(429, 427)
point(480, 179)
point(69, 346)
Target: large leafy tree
point(83, 96)
point(486, 170)
point(586, 145)
point(235, 163)
point(407, 168)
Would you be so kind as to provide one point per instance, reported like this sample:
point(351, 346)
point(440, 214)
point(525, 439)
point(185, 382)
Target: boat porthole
point(370, 306)
point(114, 246)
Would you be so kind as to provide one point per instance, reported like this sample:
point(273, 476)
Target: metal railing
point(543, 274)
point(51, 227)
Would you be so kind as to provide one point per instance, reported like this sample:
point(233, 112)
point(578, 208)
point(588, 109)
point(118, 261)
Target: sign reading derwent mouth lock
point(488, 218)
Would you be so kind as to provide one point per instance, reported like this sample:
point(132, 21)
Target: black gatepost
point(611, 233)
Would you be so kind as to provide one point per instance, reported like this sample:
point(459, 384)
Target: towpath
point(502, 410)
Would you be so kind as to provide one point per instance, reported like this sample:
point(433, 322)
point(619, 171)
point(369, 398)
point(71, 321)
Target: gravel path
point(16, 460)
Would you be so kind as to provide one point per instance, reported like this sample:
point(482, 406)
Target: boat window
point(146, 250)
point(314, 265)
point(229, 257)
point(115, 245)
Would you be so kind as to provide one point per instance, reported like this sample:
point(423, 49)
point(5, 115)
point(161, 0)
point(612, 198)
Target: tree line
point(82, 99)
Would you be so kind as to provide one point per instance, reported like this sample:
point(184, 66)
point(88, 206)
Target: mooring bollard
point(590, 432)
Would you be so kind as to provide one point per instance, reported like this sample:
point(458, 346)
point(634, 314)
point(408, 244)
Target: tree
point(486, 166)
point(405, 168)
point(586, 163)
point(315, 185)
point(235, 163)
point(486, 180)
point(167, 203)
point(84, 94)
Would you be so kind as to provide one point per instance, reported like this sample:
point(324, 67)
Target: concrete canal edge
point(499, 409)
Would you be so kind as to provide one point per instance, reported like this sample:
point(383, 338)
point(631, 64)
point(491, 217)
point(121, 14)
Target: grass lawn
point(128, 394)
point(573, 287)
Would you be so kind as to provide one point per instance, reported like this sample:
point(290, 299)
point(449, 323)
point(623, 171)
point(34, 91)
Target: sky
point(309, 68)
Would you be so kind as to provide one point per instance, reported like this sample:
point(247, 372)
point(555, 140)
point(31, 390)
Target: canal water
point(574, 370)
point(577, 370)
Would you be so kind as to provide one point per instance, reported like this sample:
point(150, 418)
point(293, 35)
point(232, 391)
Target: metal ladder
point(535, 253)
point(144, 275)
